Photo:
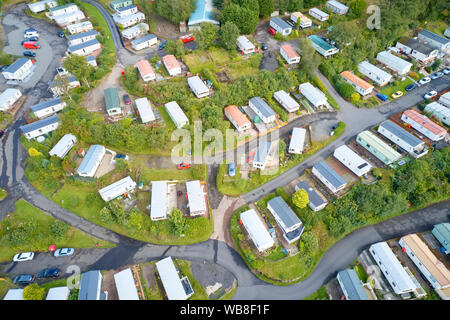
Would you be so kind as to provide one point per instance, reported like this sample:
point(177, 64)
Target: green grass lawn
point(40, 236)
point(5, 284)
point(389, 90)
point(362, 275)
point(320, 294)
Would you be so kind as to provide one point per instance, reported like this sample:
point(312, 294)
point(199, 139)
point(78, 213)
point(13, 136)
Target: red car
point(272, 31)
point(31, 45)
point(184, 165)
point(126, 99)
point(187, 38)
point(251, 156)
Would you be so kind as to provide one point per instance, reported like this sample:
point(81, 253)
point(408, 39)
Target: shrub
point(58, 229)
point(33, 292)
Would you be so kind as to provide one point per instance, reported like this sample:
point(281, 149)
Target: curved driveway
point(250, 287)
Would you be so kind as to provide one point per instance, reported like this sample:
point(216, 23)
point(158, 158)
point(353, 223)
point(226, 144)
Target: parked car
point(64, 252)
point(251, 156)
point(162, 44)
point(24, 279)
point(30, 34)
point(382, 97)
point(424, 80)
point(49, 273)
point(31, 45)
point(446, 70)
point(187, 38)
point(24, 256)
point(183, 166)
point(61, 70)
point(410, 87)
point(179, 193)
point(2, 68)
point(126, 99)
point(29, 39)
point(264, 46)
point(231, 169)
point(430, 94)
point(272, 31)
point(29, 54)
point(122, 156)
point(436, 75)
point(60, 34)
point(397, 94)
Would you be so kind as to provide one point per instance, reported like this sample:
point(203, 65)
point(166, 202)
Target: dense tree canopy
point(207, 35)
point(229, 33)
point(245, 19)
point(175, 10)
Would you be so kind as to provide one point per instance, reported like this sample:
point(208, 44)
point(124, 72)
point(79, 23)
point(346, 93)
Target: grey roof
point(263, 151)
point(90, 159)
point(442, 233)
point(280, 22)
point(418, 46)
point(262, 106)
point(328, 173)
point(89, 286)
point(284, 212)
point(434, 36)
point(39, 124)
point(352, 285)
point(82, 35)
point(126, 8)
point(16, 65)
point(401, 133)
point(83, 45)
point(313, 196)
point(45, 104)
point(143, 39)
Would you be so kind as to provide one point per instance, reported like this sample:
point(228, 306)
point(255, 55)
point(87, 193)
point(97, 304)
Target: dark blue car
point(382, 97)
point(29, 54)
point(410, 87)
point(162, 44)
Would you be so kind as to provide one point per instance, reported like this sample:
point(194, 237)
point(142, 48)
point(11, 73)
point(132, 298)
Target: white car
point(64, 252)
point(446, 70)
point(424, 80)
point(24, 256)
point(430, 94)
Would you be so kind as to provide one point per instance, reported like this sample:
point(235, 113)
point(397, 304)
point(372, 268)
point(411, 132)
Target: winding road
point(129, 251)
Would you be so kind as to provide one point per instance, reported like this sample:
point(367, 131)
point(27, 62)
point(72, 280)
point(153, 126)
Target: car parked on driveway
point(397, 94)
point(60, 34)
point(382, 96)
point(121, 156)
point(126, 99)
point(424, 80)
point(231, 169)
point(436, 75)
point(430, 94)
point(162, 44)
point(64, 252)
point(24, 256)
point(272, 31)
point(263, 47)
point(446, 70)
point(29, 39)
point(49, 273)
point(24, 279)
point(183, 166)
point(29, 54)
point(410, 87)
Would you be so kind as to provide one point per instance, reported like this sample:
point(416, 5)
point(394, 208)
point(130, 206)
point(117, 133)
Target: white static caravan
point(40, 6)
point(85, 48)
point(316, 97)
point(8, 98)
point(18, 70)
point(424, 125)
point(91, 161)
point(65, 19)
point(330, 178)
point(439, 111)
point(144, 42)
point(171, 64)
point(289, 54)
point(47, 108)
point(394, 63)
point(337, 7)
point(176, 114)
point(196, 198)
point(130, 20)
point(126, 11)
point(145, 70)
point(83, 26)
point(82, 37)
point(58, 293)
point(288, 221)
point(133, 32)
point(392, 269)
point(159, 205)
point(262, 109)
point(60, 10)
point(62, 148)
point(256, 230)
point(117, 189)
point(126, 286)
point(198, 87)
point(145, 110)
point(237, 118)
point(377, 75)
point(175, 288)
point(280, 26)
point(405, 140)
point(245, 46)
point(40, 127)
point(305, 22)
point(297, 140)
point(262, 155)
point(445, 99)
point(318, 14)
point(286, 101)
point(352, 160)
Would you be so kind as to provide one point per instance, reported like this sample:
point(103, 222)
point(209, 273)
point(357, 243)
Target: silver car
point(63, 252)
point(24, 256)
point(424, 80)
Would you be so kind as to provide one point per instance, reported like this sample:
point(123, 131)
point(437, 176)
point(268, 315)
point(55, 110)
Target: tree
point(62, 85)
point(229, 33)
point(175, 47)
point(308, 244)
point(175, 10)
point(265, 8)
point(34, 153)
point(33, 292)
point(58, 229)
point(80, 68)
point(207, 35)
point(178, 222)
point(245, 19)
point(436, 64)
point(300, 198)
point(345, 33)
point(310, 59)
point(356, 8)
